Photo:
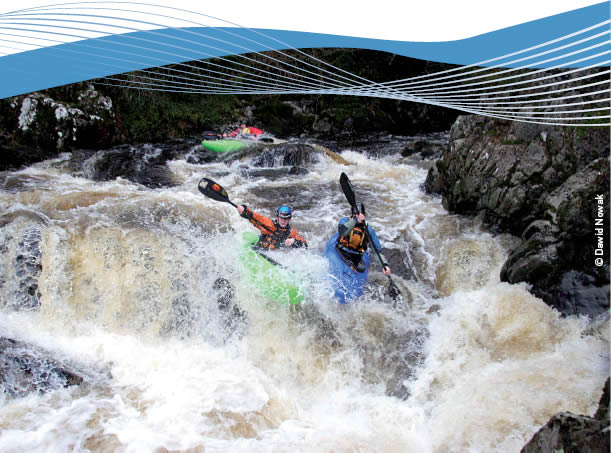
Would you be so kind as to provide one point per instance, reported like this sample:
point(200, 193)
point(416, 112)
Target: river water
point(124, 277)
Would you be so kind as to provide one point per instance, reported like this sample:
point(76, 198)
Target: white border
point(402, 20)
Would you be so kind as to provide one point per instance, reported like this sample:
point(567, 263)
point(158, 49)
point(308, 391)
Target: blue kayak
point(347, 282)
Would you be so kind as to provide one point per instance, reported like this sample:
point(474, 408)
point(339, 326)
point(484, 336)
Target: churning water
point(124, 280)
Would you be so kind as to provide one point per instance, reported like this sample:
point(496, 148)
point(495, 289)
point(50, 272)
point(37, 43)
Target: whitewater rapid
point(467, 363)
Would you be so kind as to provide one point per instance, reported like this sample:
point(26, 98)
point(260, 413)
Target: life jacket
point(274, 240)
point(272, 235)
point(356, 241)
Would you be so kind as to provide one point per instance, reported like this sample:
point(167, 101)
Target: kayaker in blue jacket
point(352, 241)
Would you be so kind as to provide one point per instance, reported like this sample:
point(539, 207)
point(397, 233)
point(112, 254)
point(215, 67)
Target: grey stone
point(512, 175)
point(570, 433)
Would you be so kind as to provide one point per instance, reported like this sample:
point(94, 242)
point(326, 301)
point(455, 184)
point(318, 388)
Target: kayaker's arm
point(345, 226)
point(298, 240)
point(244, 211)
point(378, 246)
point(262, 223)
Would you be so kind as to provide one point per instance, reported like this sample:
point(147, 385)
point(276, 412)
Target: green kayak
point(223, 146)
point(277, 283)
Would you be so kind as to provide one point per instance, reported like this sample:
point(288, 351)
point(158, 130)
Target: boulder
point(570, 433)
point(143, 164)
point(27, 369)
point(47, 124)
point(285, 155)
point(275, 155)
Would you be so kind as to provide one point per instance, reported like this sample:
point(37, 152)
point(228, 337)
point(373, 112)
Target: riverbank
point(95, 115)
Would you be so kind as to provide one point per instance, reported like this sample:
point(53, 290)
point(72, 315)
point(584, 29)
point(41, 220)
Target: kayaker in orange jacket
point(274, 233)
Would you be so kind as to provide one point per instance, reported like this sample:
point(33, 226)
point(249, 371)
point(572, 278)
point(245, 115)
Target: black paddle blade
point(348, 190)
point(213, 190)
point(393, 291)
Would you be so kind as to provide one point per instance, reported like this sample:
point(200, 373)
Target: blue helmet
point(284, 212)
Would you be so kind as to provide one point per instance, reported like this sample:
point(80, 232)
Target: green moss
point(585, 131)
point(515, 141)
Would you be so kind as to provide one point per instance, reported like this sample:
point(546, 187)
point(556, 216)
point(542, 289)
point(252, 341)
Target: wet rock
point(183, 318)
point(557, 255)
point(14, 156)
point(20, 281)
point(538, 182)
point(129, 166)
point(602, 413)
point(434, 182)
point(323, 125)
point(299, 197)
point(142, 164)
point(507, 169)
point(234, 320)
point(26, 369)
point(399, 262)
point(286, 155)
point(273, 173)
point(274, 156)
point(391, 353)
point(430, 147)
point(572, 433)
point(202, 156)
point(47, 124)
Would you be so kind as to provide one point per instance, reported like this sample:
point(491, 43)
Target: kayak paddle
point(344, 181)
point(215, 191)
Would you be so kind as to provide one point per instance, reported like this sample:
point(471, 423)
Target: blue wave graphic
point(100, 57)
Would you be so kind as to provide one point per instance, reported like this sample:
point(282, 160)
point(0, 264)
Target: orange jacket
point(272, 234)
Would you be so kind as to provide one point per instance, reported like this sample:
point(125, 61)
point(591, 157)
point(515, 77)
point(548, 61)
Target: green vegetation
point(514, 141)
point(584, 131)
point(153, 116)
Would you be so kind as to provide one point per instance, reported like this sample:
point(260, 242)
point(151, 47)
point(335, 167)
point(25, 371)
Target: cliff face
point(549, 185)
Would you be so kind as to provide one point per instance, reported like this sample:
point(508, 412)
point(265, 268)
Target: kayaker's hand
point(387, 270)
point(241, 208)
point(361, 217)
point(289, 242)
